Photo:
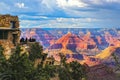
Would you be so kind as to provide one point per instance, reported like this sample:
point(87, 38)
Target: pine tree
point(77, 71)
point(17, 67)
point(36, 51)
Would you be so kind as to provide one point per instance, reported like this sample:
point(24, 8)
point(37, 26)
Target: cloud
point(100, 2)
point(49, 4)
point(59, 23)
point(20, 5)
point(33, 16)
point(117, 1)
point(87, 5)
point(64, 13)
point(103, 4)
point(71, 3)
point(70, 23)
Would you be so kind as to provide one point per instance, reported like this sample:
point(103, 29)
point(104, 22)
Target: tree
point(51, 70)
point(2, 57)
point(2, 63)
point(63, 69)
point(64, 74)
point(70, 71)
point(17, 67)
point(62, 59)
point(36, 51)
point(21, 66)
point(77, 71)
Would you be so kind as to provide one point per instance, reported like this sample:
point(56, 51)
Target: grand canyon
point(91, 46)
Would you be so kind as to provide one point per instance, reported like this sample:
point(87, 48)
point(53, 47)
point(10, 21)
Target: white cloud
point(83, 3)
point(33, 17)
point(112, 0)
point(76, 20)
point(71, 3)
point(91, 20)
point(48, 6)
point(20, 5)
point(102, 2)
point(97, 2)
point(59, 23)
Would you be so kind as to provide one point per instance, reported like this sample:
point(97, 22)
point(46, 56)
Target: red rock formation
point(72, 42)
point(91, 61)
point(111, 39)
point(88, 42)
point(99, 39)
point(67, 42)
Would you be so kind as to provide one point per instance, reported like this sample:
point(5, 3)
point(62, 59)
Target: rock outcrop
point(100, 72)
point(73, 42)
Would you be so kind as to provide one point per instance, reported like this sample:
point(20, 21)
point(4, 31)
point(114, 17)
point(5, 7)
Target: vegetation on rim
point(22, 66)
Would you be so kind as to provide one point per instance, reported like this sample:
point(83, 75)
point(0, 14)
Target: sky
point(64, 13)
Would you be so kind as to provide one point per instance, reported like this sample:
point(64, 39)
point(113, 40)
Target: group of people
point(25, 40)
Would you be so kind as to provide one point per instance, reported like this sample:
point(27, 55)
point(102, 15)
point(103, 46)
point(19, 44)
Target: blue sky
point(64, 13)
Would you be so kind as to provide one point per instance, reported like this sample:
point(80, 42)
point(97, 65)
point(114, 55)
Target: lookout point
point(9, 32)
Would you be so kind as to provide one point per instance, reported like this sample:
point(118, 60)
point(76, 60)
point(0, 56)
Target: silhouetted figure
point(30, 40)
point(22, 40)
point(33, 40)
point(26, 40)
